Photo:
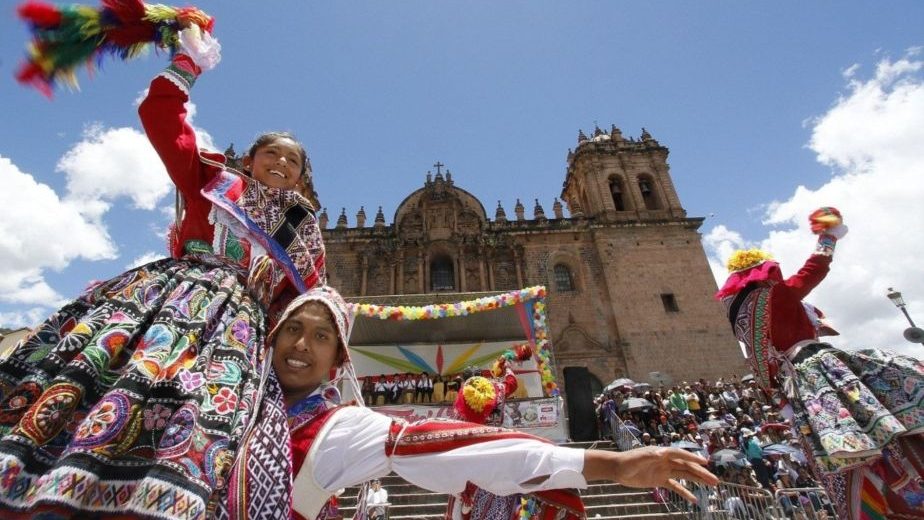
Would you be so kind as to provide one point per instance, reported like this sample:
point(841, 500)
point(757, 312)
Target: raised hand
point(649, 467)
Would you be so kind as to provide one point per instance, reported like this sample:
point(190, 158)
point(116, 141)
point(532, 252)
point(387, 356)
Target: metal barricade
point(378, 511)
point(727, 501)
point(623, 438)
point(805, 504)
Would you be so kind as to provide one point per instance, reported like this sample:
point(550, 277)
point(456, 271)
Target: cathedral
point(630, 289)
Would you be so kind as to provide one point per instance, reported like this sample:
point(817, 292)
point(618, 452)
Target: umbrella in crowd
point(713, 425)
point(729, 458)
point(689, 446)
point(781, 449)
point(619, 383)
point(635, 403)
point(774, 426)
point(747, 378)
point(641, 387)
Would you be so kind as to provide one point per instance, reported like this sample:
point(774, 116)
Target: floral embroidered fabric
point(133, 398)
point(851, 406)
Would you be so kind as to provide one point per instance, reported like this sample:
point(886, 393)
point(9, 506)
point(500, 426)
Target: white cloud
point(871, 138)
point(27, 318)
point(41, 231)
point(110, 163)
point(145, 258)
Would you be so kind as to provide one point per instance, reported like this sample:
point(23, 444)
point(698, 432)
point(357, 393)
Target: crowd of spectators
point(730, 416)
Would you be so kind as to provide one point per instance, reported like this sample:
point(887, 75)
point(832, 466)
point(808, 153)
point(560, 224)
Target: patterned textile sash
point(752, 326)
point(132, 399)
point(260, 485)
point(282, 222)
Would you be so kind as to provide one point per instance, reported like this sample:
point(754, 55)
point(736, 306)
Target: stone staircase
point(604, 501)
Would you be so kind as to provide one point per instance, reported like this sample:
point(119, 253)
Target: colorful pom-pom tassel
point(64, 38)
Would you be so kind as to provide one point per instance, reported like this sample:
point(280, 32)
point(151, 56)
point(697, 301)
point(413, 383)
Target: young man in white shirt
point(377, 501)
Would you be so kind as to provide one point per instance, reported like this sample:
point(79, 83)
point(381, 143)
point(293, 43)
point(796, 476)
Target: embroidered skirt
point(861, 416)
point(133, 398)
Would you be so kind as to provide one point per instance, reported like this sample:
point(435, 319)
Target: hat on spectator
point(747, 432)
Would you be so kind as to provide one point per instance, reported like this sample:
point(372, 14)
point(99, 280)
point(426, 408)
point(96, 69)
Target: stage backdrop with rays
point(444, 360)
point(445, 338)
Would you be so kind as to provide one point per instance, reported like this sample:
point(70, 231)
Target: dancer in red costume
point(334, 446)
point(861, 414)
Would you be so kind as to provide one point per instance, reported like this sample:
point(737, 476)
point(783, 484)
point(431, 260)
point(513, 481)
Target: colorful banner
point(531, 413)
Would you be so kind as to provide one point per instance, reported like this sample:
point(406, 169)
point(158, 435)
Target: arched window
point(646, 186)
point(442, 274)
point(564, 281)
point(616, 193)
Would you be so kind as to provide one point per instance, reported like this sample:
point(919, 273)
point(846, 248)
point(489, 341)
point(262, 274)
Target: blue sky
point(379, 91)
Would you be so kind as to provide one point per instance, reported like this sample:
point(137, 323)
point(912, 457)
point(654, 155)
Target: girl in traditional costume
point(334, 446)
point(861, 414)
point(133, 399)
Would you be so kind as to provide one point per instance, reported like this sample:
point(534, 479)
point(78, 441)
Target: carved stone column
point(516, 263)
point(365, 270)
point(420, 273)
point(391, 276)
point(481, 273)
point(400, 284)
point(462, 283)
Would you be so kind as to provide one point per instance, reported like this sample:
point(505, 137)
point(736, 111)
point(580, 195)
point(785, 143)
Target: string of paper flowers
point(448, 310)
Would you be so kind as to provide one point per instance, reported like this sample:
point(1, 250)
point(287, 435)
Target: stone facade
point(630, 290)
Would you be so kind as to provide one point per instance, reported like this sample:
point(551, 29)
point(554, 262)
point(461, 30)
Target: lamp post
point(912, 333)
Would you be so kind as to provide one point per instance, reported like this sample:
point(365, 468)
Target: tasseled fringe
point(64, 38)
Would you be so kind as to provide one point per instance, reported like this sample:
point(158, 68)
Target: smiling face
point(306, 348)
point(277, 164)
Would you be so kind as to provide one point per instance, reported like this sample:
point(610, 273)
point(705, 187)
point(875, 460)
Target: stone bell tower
point(612, 178)
point(654, 280)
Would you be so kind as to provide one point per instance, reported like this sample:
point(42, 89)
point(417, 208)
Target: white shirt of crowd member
point(377, 500)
